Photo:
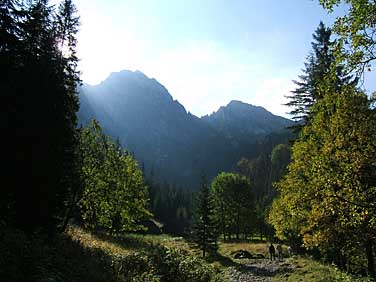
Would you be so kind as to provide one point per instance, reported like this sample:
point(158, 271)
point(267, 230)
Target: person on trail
point(279, 250)
point(271, 251)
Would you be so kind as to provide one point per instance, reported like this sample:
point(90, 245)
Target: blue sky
point(205, 52)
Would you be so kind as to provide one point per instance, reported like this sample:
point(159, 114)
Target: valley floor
point(289, 269)
point(81, 256)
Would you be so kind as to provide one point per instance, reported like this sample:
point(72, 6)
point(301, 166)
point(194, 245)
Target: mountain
point(241, 120)
point(172, 144)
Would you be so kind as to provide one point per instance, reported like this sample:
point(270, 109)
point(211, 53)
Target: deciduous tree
point(114, 196)
point(330, 189)
point(234, 203)
point(357, 33)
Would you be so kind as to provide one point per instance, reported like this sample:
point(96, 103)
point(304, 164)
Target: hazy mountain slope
point(176, 145)
point(241, 121)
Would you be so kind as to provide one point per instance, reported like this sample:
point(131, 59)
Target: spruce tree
point(39, 109)
point(204, 228)
point(9, 65)
point(320, 63)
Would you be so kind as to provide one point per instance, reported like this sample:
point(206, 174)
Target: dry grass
point(308, 270)
point(126, 244)
point(226, 248)
point(89, 240)
point(254, 248)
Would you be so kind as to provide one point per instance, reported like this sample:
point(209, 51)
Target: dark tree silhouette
point(204, 227)
point(320, 62)
point(40, 103)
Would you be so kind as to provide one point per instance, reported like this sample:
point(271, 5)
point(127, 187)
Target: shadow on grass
point(127, 241)
point(57, 259)
point(223, 260)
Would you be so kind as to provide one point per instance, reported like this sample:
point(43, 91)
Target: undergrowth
point(81, 256)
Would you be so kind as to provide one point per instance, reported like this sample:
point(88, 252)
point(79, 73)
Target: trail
point(260, 270)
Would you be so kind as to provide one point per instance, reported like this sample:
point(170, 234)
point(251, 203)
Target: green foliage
point(173, 265)
point(171, 205)
point(234, 203)
point(328, 196)
point(356, 31)
point(205, 227)
point(264, 171)
point(280, 158)
point(114, 194)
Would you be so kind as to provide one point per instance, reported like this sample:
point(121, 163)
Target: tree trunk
point(69, 211)
point(204, 241)
point(238, 226)
point(370, 258)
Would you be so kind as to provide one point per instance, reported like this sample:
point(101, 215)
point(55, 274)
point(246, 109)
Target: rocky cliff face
point(176, 145)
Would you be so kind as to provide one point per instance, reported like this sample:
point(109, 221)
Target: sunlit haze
point(205, 53)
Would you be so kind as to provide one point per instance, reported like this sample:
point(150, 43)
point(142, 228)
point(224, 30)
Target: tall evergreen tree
point(204, 228)
point(9, 64)
point(320, 62)
point(40, 105)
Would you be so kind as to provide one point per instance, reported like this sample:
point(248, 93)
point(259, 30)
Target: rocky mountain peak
point(177, 145)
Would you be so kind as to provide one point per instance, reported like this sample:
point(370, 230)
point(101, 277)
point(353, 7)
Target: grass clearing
point(308, 270)
point(162, 257)
point(126, 244)
point(226, 248)
point(79, 255)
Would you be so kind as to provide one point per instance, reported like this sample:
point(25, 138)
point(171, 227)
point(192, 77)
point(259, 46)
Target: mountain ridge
point(167, 139)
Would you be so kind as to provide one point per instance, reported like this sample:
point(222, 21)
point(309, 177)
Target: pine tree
point(65, 30)
point(204, 227)
point(39, 109)
point(320, 62)
point(9, 66)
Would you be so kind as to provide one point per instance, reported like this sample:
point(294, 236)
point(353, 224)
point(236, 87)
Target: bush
point(174, 265)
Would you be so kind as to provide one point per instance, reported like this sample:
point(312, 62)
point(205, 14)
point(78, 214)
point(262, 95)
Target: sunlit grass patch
point(125, 244)
point(308, 270)
point(147, 257)
point(227, 248)
point(90, 240)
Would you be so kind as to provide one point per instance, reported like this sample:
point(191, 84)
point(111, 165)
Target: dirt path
point(261, 270)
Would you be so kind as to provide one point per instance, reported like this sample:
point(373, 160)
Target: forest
point(77, 206)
